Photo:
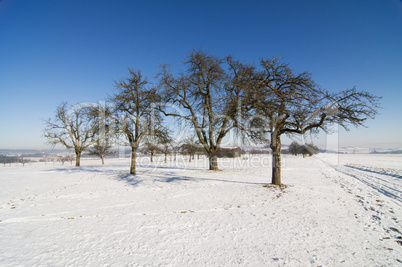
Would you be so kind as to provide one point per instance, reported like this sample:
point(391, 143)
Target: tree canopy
point(71, 127)
point(134, 112)
point(284, 102)
point(216, 96)
point(205, 95)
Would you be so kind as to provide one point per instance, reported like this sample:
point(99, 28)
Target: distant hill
point(387, 152)
point(365, 150)
point(33, 152)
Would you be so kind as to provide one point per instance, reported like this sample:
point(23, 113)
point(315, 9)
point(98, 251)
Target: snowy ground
point(336, 211)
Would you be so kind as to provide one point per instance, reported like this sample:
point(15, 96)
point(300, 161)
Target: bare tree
point(190, 146)
point(289, 103)
point(62, 160)
point(166, 143)
point(134, 112)
point(22, 160)
point(206, 97)
point(71, 127)
point(8, 159)
point(70, 158)
point(104, 131)
point(175, 149)
point(101, 149)
point(152, 148)
point(306, 149)
point(294, 148)
point(309, 149)
point(158, 140)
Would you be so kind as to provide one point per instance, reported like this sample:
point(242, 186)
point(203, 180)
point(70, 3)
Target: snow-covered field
point(335, 211)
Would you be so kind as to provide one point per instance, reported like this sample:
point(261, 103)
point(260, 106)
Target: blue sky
point(55, 51)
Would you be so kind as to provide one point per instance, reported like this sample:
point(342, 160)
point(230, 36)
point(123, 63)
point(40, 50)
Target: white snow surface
point(335, 211)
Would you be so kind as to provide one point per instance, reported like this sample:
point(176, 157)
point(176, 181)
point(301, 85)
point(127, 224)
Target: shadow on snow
point(150, 173)
point(171, 177)
point(384, 172)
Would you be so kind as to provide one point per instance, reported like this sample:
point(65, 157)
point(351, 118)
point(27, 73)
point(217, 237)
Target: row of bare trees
point(213, 97)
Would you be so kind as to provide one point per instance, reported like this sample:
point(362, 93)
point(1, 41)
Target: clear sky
point(55, 51)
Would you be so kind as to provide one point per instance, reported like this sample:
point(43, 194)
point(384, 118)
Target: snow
point(336, 210)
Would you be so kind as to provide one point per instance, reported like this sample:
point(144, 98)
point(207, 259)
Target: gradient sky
point(55, 51)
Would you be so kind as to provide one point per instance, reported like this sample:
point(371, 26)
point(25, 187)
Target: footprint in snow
point(395, 230)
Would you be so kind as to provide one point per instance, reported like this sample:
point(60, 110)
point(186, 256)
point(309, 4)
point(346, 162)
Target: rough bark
point(133, 160)
point(77, 158)
point(213, 162)
point(276, 159)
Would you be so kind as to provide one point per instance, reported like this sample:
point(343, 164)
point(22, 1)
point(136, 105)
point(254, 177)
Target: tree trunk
point(276, 159)
point(103, 159)
point(133, 158)
point(77, 158)
point(213, 162)
point(166, 157)
point(189, 157)
point(152, 156)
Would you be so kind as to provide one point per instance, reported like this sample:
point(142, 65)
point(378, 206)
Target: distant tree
point(190, 146)
point(229, 152)
point(8, 159)
point(259, 152)
point(134, 112)
point(105, 132)
point(175, 149)
point(101, 150)
point(23, 160)
point(62, 160)
point(71, 127)
point(294, 148)
point(69, 158)
point(306, 149)
point(3, 160)
point(157, 141)
point(309, 149)
point(200, 151)
point(289, 103)
point(165, 145)
point(152, 148)
point(206, 95)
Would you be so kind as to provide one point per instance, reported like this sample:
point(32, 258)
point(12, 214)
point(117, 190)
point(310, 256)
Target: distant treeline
point(8, 159)
point(305, 149)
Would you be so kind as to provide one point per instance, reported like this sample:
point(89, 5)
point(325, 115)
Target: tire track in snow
point(381, 206)
point(386, 185)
